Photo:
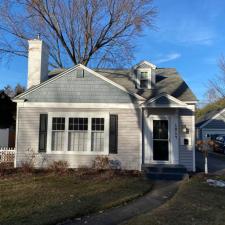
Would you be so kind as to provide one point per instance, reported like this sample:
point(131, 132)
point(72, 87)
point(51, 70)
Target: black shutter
point(113, 134)
point(43, 132)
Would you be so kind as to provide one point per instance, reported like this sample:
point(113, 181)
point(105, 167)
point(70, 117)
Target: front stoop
point(164, 172)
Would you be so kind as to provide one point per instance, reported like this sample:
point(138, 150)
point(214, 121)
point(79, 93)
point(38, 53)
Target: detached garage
point(211, 125)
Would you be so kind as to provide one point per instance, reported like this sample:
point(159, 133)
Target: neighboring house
point(140, 116)
point(210, 125)
point(7, 121)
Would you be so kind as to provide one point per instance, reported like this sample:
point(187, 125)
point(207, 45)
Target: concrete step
point(165, 172)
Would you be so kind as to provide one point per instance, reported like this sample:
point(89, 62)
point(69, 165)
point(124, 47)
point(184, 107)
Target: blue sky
point(190, 36)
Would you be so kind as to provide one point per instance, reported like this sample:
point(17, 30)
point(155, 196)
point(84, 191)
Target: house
point(140, 116)
point(211, 125)
point(7, 121)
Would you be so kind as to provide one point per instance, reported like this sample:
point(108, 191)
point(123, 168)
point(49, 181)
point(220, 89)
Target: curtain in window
point(78, 134)
point(97, 135)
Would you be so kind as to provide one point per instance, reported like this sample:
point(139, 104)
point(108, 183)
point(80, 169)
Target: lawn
point(48, 198)
point(196, 203)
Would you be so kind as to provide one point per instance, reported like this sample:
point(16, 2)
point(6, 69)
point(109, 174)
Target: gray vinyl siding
point(217, 123)
point(128, 138)
point(186, 151)
point(89, 89)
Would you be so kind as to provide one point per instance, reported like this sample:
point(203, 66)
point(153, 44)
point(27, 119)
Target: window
point(58, 133)
point(80, 73)
point(97, 134)
point(78, 134)
point(144, 79)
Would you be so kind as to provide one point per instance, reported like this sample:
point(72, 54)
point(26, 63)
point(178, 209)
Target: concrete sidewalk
point(161, 192)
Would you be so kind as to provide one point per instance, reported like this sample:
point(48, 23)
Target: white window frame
point(139, 71)
point(88, 115)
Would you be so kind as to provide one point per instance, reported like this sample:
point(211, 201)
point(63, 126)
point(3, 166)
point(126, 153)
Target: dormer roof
point(144, 64)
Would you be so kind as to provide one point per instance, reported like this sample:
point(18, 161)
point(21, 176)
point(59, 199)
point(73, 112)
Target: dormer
point(144, 75)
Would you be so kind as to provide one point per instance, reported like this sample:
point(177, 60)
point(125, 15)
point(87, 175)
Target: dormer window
point(144, 74)
point(144, 80)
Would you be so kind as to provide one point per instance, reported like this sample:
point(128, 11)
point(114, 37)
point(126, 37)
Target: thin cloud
point(168, 57)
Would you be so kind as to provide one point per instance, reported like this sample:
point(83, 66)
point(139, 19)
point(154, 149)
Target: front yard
point(48, 198)
point(196, 203)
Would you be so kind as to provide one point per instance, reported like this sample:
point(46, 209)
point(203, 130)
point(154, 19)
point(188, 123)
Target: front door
point(160, 140)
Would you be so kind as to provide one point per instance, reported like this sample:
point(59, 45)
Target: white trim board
point(70, 70)
point(214, 117)
point(180, 104)
point(77, 105)
point(88, 115)
point(144, 62)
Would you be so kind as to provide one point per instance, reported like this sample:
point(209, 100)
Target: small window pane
point(78, 123)
point(58, 123)
point(80, 73)
point(144, 83)
point(144, 75)
point(97, 124)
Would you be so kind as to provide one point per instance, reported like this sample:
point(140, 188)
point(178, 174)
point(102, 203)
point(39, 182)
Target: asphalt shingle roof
point(167, 81)
point(207, 117)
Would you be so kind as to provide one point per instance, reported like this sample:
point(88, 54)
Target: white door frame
point(172, 139)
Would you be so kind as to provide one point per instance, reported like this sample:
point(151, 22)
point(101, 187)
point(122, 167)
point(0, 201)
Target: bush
point(101, 163)
point(27, 167)
point(60, 166)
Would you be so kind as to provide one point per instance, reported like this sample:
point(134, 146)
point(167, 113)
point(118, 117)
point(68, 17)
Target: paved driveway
point(216, 162)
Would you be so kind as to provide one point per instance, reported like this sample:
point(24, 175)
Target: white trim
point(70, 70)
point(16, 142)
point(168, 96)
point(149, 79)
point(144, 62)
point(193, 142)
point(191, 102)
point(78, 105)
point(161, 117)
point(140, 141)
point(88, 115)
point(214, 117)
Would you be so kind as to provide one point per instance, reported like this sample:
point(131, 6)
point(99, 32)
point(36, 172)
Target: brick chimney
point(37, 62)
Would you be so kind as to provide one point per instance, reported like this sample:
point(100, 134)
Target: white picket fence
point(7, 154)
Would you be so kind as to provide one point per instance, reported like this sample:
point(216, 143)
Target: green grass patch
point(48, 198)
point(195, 203)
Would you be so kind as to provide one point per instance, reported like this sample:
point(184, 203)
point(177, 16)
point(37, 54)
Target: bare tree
point(216, 86)
point(99, 32)
point(12, 92)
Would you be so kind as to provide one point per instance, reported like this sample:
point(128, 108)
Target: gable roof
point(164, 100)
point(208, 117)
point(167, 81)
point(144, 64)
point(21, 96)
